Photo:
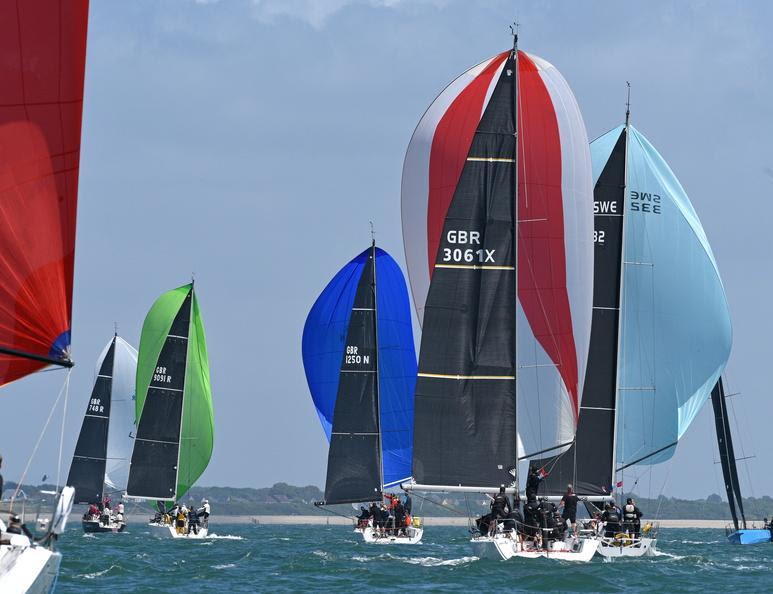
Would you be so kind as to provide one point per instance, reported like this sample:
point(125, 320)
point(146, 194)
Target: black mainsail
point(354, 459)
point(154, 462)
point(589, 463)
point(726, 453)
point(465, 411)
point(87, 472)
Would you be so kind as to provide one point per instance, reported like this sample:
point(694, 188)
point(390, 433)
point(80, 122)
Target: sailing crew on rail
point(569, 503)
point(533, 480)
point(632, 518)
point(611, 520)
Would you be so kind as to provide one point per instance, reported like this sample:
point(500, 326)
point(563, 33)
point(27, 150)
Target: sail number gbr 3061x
point(464, 254)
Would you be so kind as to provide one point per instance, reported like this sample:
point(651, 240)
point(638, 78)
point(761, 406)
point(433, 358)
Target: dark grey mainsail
point(87, 471)
point(465, 405)
point(589, 463)
point(726, 454)
point(154, 462)
point(354, 457)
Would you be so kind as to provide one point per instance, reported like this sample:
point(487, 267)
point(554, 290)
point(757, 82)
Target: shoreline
point(428, 521)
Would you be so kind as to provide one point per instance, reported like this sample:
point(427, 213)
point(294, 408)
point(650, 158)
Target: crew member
point(15, 526)
point(632, 518)
point(569, 514)
point(611, 520)
point(399, 511)
point(193, 521)
point(533, 481)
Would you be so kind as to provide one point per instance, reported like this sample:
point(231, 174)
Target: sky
point(250, 142)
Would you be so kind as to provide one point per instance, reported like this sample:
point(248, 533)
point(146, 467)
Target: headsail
point(675, 332)
point(471, 155)
point(360, 365)
point(120, 438)
point(43, 46)
point(174, 400)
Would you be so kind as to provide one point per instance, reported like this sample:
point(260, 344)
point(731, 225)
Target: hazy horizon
point(251, 141)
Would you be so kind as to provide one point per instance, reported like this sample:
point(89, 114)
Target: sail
point(588, 463)
point(727, 454)
point(675, 332)
point(87, 471)
point(462, 173)
point(120, 437)
point(360, 365)
point(43, 49)
point(174, 400)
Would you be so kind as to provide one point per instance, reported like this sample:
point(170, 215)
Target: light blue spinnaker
point(324, 342)
point(675, 332)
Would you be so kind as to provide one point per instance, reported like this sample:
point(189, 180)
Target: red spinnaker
point(42, 62)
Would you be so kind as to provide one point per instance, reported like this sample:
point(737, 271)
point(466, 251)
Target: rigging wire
point(61, 434)
point(37, 444)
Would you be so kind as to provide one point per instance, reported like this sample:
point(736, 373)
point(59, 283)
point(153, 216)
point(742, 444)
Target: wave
point(96, 574)
point(423, 561)
point(224, 537)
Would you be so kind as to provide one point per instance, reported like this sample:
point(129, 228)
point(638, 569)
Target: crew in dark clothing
point(15, 526)
point(408, 504)
point(364, 514)
point(533, 481)
point(399, 511)
point(632, 518)
point(531, 516)
point(193, 521)
point(611, 520)
point(569, 502)
point(500, 506)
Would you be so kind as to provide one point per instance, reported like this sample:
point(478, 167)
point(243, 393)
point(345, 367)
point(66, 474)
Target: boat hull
point(371, 536)
point(749, 536)
point(28, 569)
point(611, 548)
point(96, 527)
point(174, 533)
point(508, 546)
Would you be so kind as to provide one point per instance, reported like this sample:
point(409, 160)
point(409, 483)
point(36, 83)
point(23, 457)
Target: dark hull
point(93, 526)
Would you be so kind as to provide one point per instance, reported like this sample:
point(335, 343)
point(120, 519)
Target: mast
point(107, 433)
point(182, 389)
point(621, 287)
point(516, 94)
point(376, 384)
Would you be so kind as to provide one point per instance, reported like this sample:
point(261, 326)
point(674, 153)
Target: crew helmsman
point(569, 503)
point(632, 517)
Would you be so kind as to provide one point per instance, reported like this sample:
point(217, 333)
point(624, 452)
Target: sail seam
point(471, 377)
point(474, 267)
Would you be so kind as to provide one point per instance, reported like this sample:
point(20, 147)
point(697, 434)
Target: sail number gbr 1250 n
point(469, 250)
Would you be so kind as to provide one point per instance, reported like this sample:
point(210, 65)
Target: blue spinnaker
point(675, 332)
point(324, 342)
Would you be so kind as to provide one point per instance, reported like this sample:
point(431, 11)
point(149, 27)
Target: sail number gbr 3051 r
point(464, 254)
point(160, 375)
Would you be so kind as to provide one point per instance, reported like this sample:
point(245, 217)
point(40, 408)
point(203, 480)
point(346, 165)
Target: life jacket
point(630, 513)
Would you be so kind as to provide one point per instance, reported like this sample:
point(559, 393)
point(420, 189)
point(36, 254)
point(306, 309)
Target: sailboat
point(661, 332)
point(101, 458)
point(360, 365)
point(740, 533)
point(42, 64)
point(175, 428)
point(497, 223)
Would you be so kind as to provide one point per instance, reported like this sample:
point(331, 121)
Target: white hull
point(172, 531)
point(509, 545)
point(641, 547)
point(28, 569)
point(372, 536)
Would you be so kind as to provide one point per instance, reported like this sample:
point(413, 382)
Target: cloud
point(317, 12)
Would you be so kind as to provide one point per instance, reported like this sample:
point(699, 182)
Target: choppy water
point(249, 558)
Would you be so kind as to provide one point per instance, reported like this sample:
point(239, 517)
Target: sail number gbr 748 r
point(465, 254)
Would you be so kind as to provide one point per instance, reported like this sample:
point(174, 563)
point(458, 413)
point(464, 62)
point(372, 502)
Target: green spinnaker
point(197, 429)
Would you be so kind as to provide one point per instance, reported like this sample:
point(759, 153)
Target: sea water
point(270, 558)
